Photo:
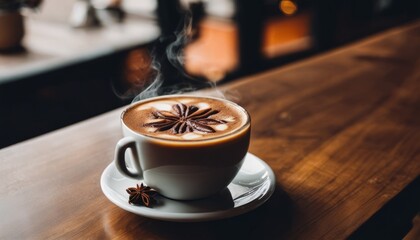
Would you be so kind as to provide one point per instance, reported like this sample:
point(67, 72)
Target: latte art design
point(185, 119)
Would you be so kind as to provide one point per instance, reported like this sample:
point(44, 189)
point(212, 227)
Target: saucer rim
point(192, 217)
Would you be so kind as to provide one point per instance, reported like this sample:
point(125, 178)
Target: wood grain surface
point(341, 132)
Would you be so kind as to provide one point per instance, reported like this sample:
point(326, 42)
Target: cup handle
point(122, 146)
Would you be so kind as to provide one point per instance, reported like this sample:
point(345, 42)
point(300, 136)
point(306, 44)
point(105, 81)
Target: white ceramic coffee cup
point(183, 169)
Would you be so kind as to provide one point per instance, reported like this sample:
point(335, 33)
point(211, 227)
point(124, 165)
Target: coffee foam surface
point(138, 115)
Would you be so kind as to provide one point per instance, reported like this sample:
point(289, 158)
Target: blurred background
point(63, 61)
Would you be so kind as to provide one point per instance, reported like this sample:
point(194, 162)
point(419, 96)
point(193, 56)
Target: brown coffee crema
point(185, 118)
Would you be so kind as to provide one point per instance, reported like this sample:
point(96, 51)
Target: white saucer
point(253, 186)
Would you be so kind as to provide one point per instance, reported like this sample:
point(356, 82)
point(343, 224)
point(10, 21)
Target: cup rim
point(244, 126)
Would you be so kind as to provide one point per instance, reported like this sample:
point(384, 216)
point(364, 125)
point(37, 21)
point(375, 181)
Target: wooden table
point(341, 132)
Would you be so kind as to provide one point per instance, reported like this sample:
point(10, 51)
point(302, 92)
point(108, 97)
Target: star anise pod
point(184, 119)
point(141, 195)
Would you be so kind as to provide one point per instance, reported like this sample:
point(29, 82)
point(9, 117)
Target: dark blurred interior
point(228, 39)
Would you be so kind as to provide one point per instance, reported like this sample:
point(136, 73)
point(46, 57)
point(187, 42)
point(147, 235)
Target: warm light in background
point(287, 35)
point(288, 7)
point(137, 70)
point(215, 52)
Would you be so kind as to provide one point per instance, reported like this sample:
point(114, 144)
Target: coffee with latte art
point(185, 147)
point(185, 118)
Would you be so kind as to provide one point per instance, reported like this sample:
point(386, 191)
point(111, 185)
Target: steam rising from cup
point(168, 59)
